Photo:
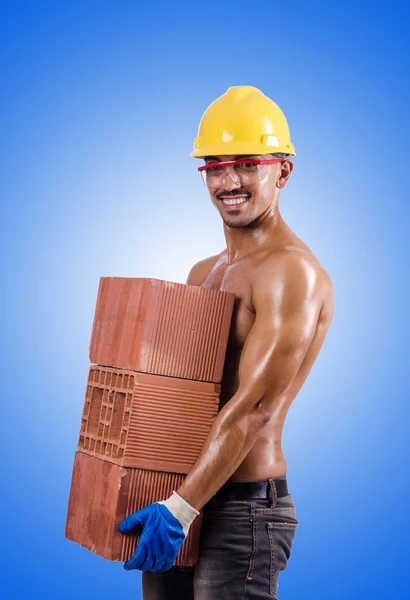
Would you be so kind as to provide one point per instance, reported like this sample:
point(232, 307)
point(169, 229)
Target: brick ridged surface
point(161, 327)
point(102, 494)
point(146, 421)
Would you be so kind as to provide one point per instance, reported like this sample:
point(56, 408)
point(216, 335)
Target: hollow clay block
point(161, 327)
point(102, 494)
point(146, 421)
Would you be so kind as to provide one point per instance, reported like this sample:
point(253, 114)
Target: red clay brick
point(146, 421)
point(102, 494)
point(161, 327)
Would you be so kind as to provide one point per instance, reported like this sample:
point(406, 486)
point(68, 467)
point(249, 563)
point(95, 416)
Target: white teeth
point(234, 201)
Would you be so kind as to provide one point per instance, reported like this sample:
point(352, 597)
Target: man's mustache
point(237, 192)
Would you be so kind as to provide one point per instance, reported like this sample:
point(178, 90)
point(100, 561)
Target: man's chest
point(237, 280)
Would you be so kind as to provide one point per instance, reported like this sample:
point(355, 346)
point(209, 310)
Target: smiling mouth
point(234, 201)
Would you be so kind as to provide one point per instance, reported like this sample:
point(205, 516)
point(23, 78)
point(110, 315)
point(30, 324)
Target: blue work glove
point(165, 526)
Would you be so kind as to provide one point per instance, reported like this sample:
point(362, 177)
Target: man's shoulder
point(291, 265)
point(201, 269)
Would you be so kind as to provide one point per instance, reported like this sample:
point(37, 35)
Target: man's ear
point(284, 174)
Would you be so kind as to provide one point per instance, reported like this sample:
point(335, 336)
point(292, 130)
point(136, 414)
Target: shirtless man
point(283, 309)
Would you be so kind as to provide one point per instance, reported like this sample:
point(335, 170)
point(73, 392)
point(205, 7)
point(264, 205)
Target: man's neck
point(261, 234)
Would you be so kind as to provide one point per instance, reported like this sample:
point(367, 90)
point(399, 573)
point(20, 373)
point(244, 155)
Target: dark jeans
point(245, 544)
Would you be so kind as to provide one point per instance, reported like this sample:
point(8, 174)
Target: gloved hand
point(165, 527)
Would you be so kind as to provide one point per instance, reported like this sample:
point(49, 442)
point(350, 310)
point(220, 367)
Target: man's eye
point(246, 167)
point(215, 169)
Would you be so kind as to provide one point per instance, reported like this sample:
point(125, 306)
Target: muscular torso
point(266, 458)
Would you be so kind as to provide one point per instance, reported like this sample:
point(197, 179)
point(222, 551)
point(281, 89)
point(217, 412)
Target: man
point(283, 309)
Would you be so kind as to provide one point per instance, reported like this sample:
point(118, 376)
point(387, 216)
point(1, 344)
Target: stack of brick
point(158, 350)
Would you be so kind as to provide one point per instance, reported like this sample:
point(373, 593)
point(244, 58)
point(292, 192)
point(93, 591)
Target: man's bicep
point(287, 310)
point(274, 351)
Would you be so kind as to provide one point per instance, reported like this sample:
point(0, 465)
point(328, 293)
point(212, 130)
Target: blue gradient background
point(100, 104)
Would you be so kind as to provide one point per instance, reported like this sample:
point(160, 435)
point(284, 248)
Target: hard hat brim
point(240, 148)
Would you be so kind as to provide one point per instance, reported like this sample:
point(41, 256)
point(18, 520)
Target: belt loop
point(272, 495)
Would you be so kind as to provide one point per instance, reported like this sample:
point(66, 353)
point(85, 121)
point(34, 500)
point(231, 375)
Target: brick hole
point(100, 430)
point(131, 383)
point(95, 408)
point(96, 376)
point(98, 446)
point(113, 380)
point(125, 381)
point(83, 424)
point(92, 444)
point(117, 416)
point(119, 381)
point(81, 441)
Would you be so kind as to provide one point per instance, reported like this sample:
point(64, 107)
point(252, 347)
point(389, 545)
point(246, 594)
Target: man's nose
point(230, 181)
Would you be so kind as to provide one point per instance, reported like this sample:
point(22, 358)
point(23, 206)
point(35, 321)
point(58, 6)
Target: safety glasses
point(243, 171)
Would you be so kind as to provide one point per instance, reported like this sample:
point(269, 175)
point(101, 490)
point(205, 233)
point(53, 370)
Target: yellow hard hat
point(242, 121)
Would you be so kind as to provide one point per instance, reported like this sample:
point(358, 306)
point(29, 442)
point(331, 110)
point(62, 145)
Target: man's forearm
point(228, 442)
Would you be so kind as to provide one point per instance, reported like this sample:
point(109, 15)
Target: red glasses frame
point(253, 161)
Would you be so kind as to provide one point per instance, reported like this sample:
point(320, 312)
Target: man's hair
point(281, 155)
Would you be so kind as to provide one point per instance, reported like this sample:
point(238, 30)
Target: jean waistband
point(244, 490)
